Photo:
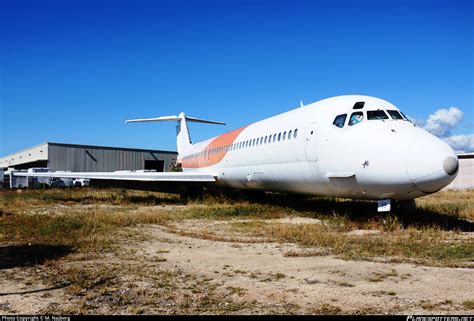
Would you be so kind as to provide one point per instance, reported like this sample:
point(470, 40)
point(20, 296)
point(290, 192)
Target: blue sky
point(73, 71)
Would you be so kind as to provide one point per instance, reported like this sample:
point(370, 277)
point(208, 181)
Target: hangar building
point(86, 158)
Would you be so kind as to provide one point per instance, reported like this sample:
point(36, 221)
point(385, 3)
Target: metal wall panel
point(80, 158)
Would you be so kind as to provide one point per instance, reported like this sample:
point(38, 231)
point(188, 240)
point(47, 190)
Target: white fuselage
point(372, 159)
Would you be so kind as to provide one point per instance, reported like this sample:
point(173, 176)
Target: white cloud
point(443, 120)
point(461, 143)
point(440, 124)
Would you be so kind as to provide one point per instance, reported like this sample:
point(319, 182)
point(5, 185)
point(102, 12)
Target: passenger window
point(284, 135)
point(340, 120)
point(395, 114)
point(274, 137)
point(279, 136)
point(289, 134)
point(295, 134)
point(376, 114)
point(356, 118)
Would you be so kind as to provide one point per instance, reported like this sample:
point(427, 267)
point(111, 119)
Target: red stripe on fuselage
point(214, 152)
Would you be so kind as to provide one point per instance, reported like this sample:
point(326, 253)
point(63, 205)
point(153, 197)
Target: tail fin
point(183, 140)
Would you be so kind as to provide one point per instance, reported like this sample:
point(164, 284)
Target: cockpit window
point(395, 114)
point(359, 105)
point(376, 114)
point(405, 116)
point(356, 118)
point(340, 120)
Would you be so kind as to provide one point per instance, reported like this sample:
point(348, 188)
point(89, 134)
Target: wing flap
point(127, 176)
point(340, 175)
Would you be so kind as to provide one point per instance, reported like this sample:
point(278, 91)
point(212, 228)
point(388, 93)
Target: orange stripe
point(214, 152)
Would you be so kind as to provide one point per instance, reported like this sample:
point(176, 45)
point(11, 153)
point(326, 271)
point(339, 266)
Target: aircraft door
point(310, 142)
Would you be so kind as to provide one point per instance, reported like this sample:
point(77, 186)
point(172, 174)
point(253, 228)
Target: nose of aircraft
point(431, 164)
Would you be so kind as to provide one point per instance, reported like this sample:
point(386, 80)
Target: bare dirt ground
point(216, 266)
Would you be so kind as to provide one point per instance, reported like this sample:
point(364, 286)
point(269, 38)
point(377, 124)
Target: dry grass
point(428, 246)
point(453, 203)
point(82, 228)
point(24, 199)
point(469, 304)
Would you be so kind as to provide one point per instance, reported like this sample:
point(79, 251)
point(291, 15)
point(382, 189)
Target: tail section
point(183, 140)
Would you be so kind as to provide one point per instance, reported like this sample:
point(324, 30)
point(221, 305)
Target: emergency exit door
point(310, 142)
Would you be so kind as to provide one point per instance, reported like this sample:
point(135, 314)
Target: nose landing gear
point(389, 205)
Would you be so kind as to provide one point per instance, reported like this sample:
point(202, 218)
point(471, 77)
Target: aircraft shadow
point(12, 256)
point(362, 211)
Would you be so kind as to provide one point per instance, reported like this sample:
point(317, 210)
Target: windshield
point(395, 114)
point(405, 116)
point(339, 120)
point(356, 118)
point(376, 114)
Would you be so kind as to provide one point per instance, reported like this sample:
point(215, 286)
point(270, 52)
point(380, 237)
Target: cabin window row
point(269, 139)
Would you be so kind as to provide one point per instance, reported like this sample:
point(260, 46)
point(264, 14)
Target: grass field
point(54, 223)
point(433, 234)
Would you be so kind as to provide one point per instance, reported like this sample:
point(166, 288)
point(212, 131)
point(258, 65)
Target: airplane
point(352, 146)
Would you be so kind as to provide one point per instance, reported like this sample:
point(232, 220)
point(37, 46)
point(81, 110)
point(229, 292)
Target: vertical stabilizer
point(183, 140)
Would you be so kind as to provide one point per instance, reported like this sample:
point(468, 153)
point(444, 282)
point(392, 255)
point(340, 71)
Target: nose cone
point(431, 164)
point(451, 165)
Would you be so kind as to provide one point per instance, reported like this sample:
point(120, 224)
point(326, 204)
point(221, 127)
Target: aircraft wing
point(128, 176)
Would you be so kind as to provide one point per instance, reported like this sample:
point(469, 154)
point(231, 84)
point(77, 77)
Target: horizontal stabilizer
point(144, 120)
point(183, 140)
point(340, 175)
point(175, 118)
